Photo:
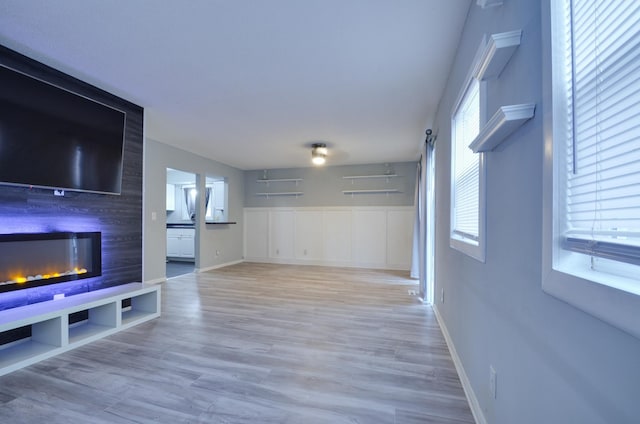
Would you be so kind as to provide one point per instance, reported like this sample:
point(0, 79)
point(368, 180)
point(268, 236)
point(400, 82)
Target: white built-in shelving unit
point(51, 333)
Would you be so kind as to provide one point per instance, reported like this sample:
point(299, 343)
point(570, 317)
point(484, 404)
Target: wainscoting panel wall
point(377, 237)
point(117, 217)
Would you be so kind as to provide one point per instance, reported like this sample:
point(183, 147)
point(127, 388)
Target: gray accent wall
point(218, 243)
point(117, 217)
point(554, 363)
point(323, 186)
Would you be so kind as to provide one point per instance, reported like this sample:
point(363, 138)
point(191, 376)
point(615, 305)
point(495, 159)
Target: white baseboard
point(466, 384)
point(292, 261)
point(209, 268)
point(156, 281)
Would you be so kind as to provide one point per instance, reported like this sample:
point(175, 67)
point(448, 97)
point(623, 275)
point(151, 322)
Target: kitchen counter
point(182, 225)
point(187, 225)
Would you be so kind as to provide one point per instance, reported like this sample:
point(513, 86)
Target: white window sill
point(467, 246)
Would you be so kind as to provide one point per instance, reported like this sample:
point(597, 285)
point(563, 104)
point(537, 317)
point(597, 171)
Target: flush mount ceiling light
point(318, 153)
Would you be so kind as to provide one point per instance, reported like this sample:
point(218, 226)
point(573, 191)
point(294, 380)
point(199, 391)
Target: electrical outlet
point(493, 382)
point(442, 295)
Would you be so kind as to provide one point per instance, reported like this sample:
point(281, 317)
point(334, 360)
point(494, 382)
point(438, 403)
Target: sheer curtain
point(421, 261)
point(190, 198)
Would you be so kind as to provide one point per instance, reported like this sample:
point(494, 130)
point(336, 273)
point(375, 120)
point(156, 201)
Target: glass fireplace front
point(37, 259)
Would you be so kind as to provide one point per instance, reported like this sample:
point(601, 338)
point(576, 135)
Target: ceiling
point(253, 83)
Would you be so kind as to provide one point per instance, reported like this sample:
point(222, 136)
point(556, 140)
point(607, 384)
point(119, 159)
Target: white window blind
point(603, 166)
point(466, 126)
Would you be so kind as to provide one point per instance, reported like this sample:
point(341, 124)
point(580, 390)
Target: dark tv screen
point(53, 138)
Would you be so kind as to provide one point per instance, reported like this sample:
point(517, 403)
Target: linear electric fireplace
point(37, 259)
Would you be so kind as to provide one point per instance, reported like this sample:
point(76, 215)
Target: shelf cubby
point(51, 333)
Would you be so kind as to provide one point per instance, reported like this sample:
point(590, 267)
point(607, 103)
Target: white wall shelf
point(51, 333)
point(279, 180)
point(502, 124)
point(282, 193)
point(374, 191)
point(497, 52)
point(356, 177)
point(489, 3)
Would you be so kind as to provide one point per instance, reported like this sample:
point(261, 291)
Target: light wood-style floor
point(257, 343)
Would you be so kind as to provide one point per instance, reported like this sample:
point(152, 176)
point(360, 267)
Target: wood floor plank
point(257, 343)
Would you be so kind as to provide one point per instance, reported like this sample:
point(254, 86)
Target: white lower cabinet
point(373, 237)
point(181, 243)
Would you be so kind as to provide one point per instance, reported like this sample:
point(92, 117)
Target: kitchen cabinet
point(181, 243)
point(171, 197)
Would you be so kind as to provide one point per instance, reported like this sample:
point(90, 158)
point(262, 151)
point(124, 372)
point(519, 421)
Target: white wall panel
point(281, 234)
point(369, 237)
point(399, 237)
point(309, 245)
point(256, 239)
point(337, 235)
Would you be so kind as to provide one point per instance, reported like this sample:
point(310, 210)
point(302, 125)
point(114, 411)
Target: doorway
point(181, 232)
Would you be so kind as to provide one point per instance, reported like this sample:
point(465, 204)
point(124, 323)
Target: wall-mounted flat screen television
point(53, 138)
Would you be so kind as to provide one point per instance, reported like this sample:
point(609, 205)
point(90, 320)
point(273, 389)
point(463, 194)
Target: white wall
point(366, 237)
point(555, 363)
point(225, 239)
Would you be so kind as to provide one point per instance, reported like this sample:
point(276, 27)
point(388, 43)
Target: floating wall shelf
point(489, 3)
point(282, 193)
point(504, 122)
point(363, 177)
point(355, 177)
point(279, 180)
point(496, 54)
point(376, 191)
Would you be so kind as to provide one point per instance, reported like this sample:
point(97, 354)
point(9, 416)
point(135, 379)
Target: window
point(467, 176)
point(215, 200)
point(592, 177)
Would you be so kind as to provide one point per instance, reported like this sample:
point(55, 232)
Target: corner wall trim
point(466, 384)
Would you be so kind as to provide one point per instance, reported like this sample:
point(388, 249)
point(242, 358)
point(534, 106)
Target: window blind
point(466, 165)
point(603, 167)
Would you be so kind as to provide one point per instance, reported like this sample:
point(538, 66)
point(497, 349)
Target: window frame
point(609, 301)
point(474, 248)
